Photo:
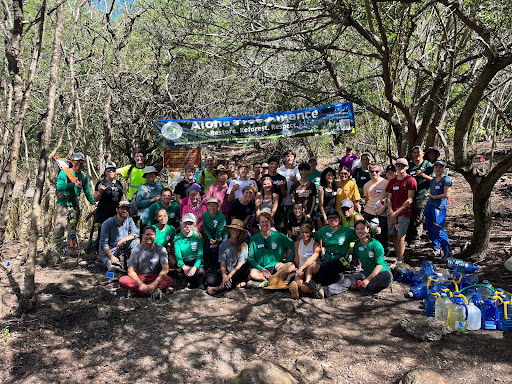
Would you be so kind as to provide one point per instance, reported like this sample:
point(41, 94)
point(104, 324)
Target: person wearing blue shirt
point(119, 234)
point(148, 193)
point(435, 210)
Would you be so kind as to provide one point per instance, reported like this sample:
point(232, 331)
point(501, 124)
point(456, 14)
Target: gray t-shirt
point(148, 261)
point(227, 253)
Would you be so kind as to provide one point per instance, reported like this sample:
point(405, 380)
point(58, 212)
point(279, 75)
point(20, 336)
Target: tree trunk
point(482, 223)
point(29, 297)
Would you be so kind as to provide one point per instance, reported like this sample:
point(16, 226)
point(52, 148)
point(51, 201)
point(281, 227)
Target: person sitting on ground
point(267, 198)
point(165, 202)
point(304, 191)
point(213, 226)
point(148, 193)
point(348, 216)
point(119, 236)
point(346, 189)
point(336, 240)
point(326, 194)
point(435, 211)
point(165, 234)
point(296, 219)
point(147, 268)
point(268, 252)
point(188, 246)
point(194, 204)
point(237, 185)
point(243, 208)
point(108, 192)
point(220, 188)
point(307, 251)
point(234, 266)
point(182, 188)
point(368, 253)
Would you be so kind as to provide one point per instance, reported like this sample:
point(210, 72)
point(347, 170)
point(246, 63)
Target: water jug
point(503, 294)
point(458, 315)
point(417, 292)
point(477, 300)
point(404, 275)
point(435, 282)
point(441, 307)
point(446, 290)
point(505, 316)
point(484, 292)
point(430, 303)
point(428, 267)
point(458, 295)
point(489, 316)
point(474, 317)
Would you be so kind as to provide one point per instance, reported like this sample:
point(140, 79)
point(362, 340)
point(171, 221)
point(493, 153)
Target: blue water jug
point(505, 316)
point(404, 275)
point(477, 300)
point(428, 267)
point(489, 316)
point(417, 292)
point(430, 303)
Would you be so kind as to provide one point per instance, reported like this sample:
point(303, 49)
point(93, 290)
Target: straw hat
point(237, 224)
point(221, 168)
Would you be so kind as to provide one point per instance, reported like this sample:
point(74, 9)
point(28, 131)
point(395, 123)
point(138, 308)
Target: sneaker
point(252, 284)
point(157, 294)
point(316, 289)
point(414, 244)
point(263, 284)
point(436, 253)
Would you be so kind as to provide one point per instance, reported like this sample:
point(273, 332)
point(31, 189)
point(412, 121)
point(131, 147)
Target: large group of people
point(275, 224)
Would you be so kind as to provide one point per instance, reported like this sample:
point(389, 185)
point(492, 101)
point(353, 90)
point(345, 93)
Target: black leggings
point(329, 272)
point(196, 281)
point(215, 279)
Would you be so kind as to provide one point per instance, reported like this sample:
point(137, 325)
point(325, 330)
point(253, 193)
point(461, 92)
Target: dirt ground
point(85, 328)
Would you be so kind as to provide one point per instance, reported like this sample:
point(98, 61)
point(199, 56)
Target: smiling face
point(305, 233)
point(212, 208)
point(243, 171)
point(438, 169)
point(344, 175)
point(195, 197)
point(374, 172)
point(289, 159)
point(162, 217)
point(166, 198)
point(417, 154)
point(209, 162)
point(77, 165)
point(189, 175)
point(248, 195)
point(234, 233)
point(333, 221)
point(150, 177)
point(148, 238)
point(187, 227)
point(361, 230)
point(401, 169)
point(272, 166)
point(264, 224)
point(365, 161)
point(304, 173)
point(222, 176)
point(297, 210)
point(347, 212)
point(267, 184)
point(123, 212)
point(139, 158)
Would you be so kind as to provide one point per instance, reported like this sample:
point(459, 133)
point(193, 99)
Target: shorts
point(403, 224)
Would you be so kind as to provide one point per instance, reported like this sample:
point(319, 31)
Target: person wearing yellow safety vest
point(135, 175)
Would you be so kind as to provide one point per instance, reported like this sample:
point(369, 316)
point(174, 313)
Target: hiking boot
point(157, 294)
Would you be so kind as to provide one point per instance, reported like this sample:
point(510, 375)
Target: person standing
point(435, 211)
point(134, 173)
point(347, 160)
point(183, 187)
point(279, 185)
point(219, 189)
point(237, 185)
point(361, 176)
point(423, 172)
point(206, 177)
point(148, 193)
point(346, 189)
point(67, 212)
point(256, 168)
point(400, 191)
point(291, 173)
point(376, 203)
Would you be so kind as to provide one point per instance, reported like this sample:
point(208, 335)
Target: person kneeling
point(268, 253)
point(234, 266)
point(147, 268)
point(375, 274)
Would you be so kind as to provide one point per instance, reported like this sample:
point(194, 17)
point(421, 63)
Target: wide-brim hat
point(237, 224)
point(149, 169)
point(276, 282)
point(433, 149)
point(219, 169)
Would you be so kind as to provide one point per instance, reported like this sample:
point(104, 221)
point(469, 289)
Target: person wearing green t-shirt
point(165, 234)
point(375, 274)
point(206, 177)
point(336, 239)
point(188, 246)
point(67, 212)
point(172, 208)
point(134, 173)
point(314, 174)
point(213, 226)
point(270, 252)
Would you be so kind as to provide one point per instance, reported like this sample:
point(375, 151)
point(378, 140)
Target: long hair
point(367, 225)
point(194, 230)
point(323, 180)
point(239, 243)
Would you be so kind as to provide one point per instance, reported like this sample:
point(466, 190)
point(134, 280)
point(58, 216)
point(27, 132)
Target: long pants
point(65, 217)
point(146, 278)
point(215, 279)
point(383, 225)
point(196, 281)
point(211, 255)
point(435, 220)
point(378, 283)
point(329, 272)
point(415, 229)
point(123, 255)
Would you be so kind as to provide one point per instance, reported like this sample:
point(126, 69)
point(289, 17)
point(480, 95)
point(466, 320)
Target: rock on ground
point(425, 328)
point(310, 370)
point(422, 376)
point(264, 372)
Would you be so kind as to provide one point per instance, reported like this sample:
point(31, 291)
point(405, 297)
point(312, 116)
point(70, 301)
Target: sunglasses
point(79, 161)
point(111, 170)
point(374, 171)
point(345, 209)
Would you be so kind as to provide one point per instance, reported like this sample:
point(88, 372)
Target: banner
point(327, 120)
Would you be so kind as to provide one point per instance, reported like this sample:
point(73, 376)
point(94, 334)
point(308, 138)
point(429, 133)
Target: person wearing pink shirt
point(219, 189)
point(194, 204)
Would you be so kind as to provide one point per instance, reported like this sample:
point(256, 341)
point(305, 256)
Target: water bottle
point(489, 316)
point(458, 315)
point(505, 316)
point(428, 267)
point(474, 317)
point(417, 292)
point(441, 307)
point(503, 294)
point(485, 292)
point(430, 302)
point(466, 281)
point(477, 300)
point(459, 296)
point(469, 293)
point(404, 275)
point(461, 265)
point(435, 282)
